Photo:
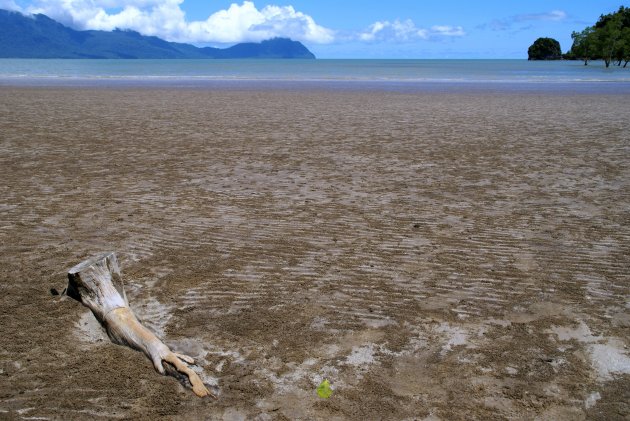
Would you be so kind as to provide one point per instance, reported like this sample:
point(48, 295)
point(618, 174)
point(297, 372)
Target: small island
point(544, 49)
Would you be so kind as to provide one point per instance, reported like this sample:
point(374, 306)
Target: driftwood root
point(97, 284)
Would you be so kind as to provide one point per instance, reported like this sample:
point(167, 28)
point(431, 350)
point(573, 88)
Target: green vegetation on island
point(608, 40)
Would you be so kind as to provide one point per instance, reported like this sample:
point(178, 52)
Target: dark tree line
point(608, 40)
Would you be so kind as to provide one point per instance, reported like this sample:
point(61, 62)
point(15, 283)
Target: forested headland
point(608, 40)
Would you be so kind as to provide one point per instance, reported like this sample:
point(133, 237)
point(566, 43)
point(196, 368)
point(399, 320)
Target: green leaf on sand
point(324, 390)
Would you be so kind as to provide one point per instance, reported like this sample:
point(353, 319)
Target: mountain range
point(39, 36)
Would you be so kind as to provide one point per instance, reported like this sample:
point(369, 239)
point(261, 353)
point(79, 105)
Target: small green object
point(324, 390)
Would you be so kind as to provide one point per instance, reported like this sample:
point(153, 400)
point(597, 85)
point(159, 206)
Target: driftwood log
point(97, 284)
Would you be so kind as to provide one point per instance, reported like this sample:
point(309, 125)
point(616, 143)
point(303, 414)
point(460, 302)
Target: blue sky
point(341, 29)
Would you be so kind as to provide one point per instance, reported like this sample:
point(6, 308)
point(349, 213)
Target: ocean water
point(392, 73)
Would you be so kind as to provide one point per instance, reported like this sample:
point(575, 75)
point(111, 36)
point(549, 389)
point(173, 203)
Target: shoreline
point(401, 86)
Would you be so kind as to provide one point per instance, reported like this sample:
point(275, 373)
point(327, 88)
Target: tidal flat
point(434, 255)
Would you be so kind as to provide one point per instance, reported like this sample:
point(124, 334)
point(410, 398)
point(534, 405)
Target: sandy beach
point(435, 256)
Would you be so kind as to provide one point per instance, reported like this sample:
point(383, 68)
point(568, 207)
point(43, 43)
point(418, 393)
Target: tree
point(544, 49)
point(608, 39)
point(624, 47)
point(583, 44)
point(621, 52)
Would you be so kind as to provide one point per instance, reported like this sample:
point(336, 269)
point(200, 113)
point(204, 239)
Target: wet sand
point(436, 256)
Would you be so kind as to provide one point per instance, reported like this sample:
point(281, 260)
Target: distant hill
point(39, 36)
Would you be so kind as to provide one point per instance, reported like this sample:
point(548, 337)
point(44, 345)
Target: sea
point(343, 74)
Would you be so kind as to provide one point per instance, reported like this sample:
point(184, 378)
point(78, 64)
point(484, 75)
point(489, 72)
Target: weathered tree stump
point(97, 284)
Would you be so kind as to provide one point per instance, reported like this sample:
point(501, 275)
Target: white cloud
point(398, 30)
point(507, 23)
point(554, 15)
point(9, 5)
point(447, 31)
point(405, 31)
point(246, 22)
point(166, 19)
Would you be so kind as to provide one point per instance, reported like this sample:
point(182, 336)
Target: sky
point(341, 29)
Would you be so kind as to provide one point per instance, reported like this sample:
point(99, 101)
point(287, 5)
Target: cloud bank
point(166, 19)
point(238, 23)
